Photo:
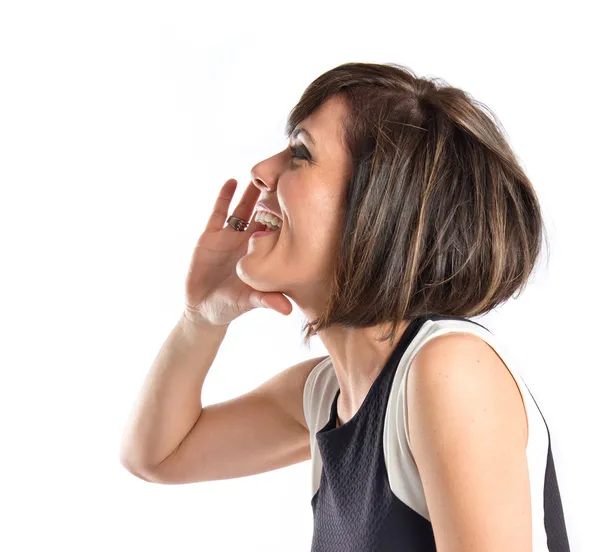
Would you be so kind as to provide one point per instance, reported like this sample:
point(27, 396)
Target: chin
point(255, 274)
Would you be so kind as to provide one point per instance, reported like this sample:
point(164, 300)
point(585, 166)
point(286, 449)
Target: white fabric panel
point(319, 390)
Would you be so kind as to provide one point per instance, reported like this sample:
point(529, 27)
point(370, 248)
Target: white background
point(120, 121)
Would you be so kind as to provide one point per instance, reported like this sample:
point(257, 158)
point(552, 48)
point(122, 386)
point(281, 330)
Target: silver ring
point(237, 223)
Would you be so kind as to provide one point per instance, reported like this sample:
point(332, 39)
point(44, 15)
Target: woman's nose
point(264, 175)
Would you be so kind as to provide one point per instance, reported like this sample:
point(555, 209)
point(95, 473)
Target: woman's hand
point(214, 292)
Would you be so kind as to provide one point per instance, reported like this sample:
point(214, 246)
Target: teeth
point(271, 221)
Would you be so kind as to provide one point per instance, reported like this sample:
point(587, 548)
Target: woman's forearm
point(169, 402)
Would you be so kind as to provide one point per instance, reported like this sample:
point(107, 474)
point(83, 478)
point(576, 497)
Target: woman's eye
point(299, 153)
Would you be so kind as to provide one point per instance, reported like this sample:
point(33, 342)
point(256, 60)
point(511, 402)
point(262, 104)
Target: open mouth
point(268, 228)
point(267, 225)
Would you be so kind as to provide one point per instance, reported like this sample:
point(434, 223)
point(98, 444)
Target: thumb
point(277, 302)
point(257, 300)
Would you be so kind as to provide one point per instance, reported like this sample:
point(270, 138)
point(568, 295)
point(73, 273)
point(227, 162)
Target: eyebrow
point(303, 131)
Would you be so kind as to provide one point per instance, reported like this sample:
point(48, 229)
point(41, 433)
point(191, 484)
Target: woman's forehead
point(327, 117)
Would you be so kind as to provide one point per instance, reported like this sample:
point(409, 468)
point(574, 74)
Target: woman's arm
point(468, 433)
point(169, 403)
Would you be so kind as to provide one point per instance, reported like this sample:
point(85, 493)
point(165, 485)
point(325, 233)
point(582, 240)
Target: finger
point(245, 206)
point(216, 220)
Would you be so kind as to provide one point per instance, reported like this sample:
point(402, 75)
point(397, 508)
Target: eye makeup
point(300, 152)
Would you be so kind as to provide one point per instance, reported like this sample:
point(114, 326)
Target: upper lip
point(263, 207)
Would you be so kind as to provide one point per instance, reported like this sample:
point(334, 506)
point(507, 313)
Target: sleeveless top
point(367, 495)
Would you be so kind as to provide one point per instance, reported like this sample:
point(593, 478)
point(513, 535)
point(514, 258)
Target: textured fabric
point(359, 505)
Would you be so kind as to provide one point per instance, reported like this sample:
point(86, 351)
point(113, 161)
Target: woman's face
point(307, 193)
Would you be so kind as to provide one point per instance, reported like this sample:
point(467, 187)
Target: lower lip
point(261, 233)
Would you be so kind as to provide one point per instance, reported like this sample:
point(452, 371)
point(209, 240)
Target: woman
point(397, 211)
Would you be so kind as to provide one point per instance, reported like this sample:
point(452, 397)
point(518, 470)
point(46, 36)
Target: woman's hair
point(439, 218)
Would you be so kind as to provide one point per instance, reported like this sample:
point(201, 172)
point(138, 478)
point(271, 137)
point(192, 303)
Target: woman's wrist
point(194, 321)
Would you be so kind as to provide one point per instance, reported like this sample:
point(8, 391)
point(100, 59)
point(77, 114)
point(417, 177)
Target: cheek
point(313, 238)
point(311, 211)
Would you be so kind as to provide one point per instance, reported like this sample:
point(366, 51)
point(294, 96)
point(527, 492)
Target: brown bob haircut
point(440, 218)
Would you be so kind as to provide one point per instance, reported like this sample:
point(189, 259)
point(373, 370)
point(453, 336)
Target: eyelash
point(296, 150)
